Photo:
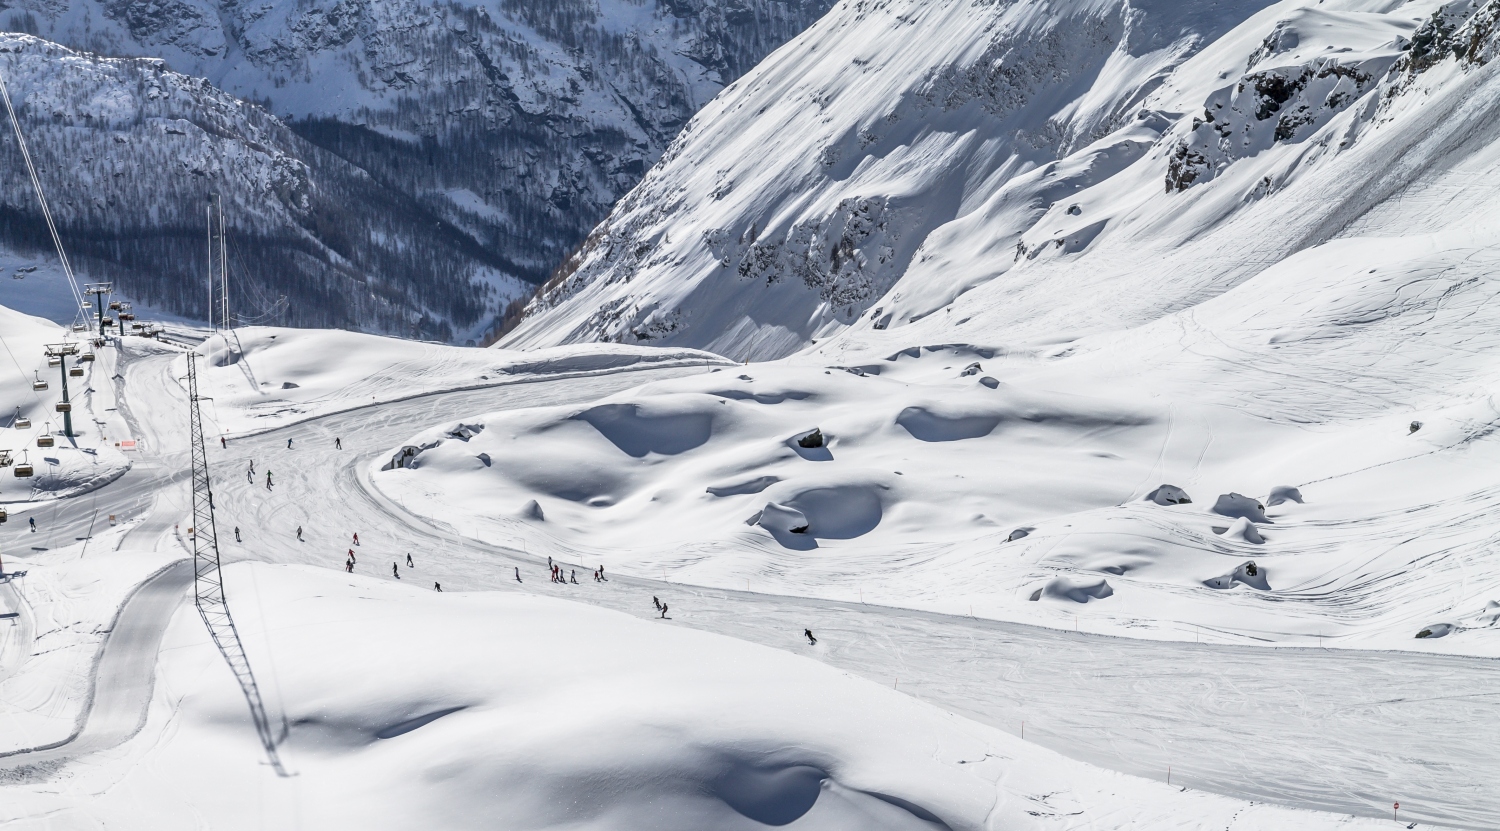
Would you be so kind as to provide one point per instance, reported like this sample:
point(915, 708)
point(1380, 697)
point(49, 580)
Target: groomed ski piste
point(534, 704)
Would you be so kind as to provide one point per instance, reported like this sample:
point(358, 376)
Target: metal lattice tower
point(208, 583)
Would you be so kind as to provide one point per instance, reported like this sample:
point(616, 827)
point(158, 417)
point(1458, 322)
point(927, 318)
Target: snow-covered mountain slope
point(520, 122)
point(128, 153)
point(498, 710)
point(1030, 156)
point(1280, 302)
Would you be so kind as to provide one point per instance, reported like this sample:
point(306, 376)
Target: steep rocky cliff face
point(516, 123)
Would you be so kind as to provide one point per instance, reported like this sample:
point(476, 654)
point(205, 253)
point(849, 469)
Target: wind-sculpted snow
point(1302, 455)
point(803, 457)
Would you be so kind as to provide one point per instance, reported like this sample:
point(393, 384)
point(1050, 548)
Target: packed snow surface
point(406, 708)
point(264, 377)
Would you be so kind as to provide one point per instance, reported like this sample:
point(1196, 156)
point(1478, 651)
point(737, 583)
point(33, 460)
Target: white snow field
point(263, 377)
point(1122, 377)
point(1022, 265)
point(1342, 731)
point(412, 709)
point(969, 479)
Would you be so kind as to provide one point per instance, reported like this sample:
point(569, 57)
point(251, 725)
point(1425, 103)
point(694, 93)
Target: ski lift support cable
point(41, 198)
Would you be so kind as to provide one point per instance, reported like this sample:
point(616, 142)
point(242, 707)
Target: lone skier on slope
point(518, 574)
point(810, 639)
point(408, 562)
point(338, 443)
point(268, 480)
point(438, 586)
point(395, 571)
point(299, 533)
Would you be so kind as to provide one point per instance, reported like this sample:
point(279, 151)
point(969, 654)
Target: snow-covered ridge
point(894, 158)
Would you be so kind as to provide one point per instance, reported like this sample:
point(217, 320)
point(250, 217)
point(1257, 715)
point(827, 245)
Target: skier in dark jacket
point(810, 639)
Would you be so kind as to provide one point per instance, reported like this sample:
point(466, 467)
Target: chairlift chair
point(5, 458)
point(86, 358)
point(39, 385)
point(23, 470)
point(20, 422)
point(4, 515)
point(45, 441)
point(64, 407)
point(80, 327)
point(54, 362)
point(114, 305)
point(75, 372)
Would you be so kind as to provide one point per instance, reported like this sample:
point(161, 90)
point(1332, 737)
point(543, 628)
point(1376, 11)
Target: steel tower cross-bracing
point(208, 583)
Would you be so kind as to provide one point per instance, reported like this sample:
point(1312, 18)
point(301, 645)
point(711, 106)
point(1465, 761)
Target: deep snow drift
point(501, 710)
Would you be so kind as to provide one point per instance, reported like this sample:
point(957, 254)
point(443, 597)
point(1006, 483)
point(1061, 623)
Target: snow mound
point(731, 458)
point(1247, 573)
point(1238, 505)
point(1168, 495)
point(1242, 530)
point(1075, 589)
point(1281, 494)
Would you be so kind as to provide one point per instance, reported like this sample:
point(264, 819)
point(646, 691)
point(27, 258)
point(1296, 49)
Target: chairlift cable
point(41, 198)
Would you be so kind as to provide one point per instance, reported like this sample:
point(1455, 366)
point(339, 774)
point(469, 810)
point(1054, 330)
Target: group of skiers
point(571, 575)
point(557, 572)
